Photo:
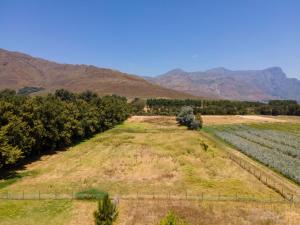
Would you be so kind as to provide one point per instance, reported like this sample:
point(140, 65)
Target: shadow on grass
point(11, 174)
point(10, 177)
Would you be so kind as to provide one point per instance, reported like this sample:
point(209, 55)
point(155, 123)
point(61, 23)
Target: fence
point(23, 195)
point(266, 179)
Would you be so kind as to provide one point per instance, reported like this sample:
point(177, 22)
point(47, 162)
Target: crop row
point(266, 154)
point(277, 137)
point(268, 143)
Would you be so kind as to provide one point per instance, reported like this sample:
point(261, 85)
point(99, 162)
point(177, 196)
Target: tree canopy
point(30, 126)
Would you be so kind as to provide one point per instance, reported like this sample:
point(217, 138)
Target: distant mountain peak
point(177, 70)
point(252, 85)
point(275, 70)
point(217, 70)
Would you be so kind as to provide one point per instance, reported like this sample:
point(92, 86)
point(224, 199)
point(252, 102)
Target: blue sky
point(151, 37)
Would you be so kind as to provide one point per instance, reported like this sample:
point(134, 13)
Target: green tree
point(107, 212)
point(186, 116)
point(8, 154)
point(137, 106)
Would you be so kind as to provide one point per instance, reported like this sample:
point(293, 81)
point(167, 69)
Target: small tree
point(199, 119)
point(107, 212)
point(172, 219)
point(187, 118)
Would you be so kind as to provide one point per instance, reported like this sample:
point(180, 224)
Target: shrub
point(199, 119)
point(187, 118)
point(172, 219)
point(107, 212)
point(195, 125)
point(90, 194)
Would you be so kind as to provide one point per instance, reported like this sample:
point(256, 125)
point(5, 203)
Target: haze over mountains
point(18, 70)
point(252, 85)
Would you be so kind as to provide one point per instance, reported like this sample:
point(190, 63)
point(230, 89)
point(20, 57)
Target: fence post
point(39, 195)
point(202, 196)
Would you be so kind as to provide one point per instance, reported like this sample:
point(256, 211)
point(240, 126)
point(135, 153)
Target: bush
point(187, 118)
point(195, 125)
point(90, 194)
point(107, 212)
point(172, 219)
point(199, 119)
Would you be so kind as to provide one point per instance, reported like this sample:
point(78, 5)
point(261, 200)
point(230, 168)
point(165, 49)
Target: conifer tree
point(107, 212)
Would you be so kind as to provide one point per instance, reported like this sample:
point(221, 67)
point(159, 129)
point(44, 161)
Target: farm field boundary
point(151, 196)
point(286, 188)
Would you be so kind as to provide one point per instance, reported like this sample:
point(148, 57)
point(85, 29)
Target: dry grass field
point(242, 119)
point(144, 156)
point(149, 156)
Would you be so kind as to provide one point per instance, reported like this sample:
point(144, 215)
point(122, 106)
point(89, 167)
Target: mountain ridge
point(251, 85)
point(18, 70)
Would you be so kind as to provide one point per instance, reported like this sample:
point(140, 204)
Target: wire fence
point(23, 195)
point(280, 187)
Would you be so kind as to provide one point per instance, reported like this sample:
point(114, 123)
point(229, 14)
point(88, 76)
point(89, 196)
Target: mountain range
point(251, 85)
point(18, 70)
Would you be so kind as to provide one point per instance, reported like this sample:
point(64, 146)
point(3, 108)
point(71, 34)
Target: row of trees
point(215, 107)
point(29, 126)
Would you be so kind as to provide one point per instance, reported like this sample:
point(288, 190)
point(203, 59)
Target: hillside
point(253, 85)
point(19, 70)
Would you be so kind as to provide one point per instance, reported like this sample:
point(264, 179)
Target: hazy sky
point(150, 37)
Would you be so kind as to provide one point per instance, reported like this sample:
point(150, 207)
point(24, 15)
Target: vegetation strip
point(32, 126)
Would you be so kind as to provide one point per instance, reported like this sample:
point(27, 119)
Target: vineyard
point(279, 150)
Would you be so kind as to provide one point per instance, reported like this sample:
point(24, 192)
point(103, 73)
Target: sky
point(151, 37)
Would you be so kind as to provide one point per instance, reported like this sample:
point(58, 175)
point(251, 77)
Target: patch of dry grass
point(238, 119)
point(209, 213)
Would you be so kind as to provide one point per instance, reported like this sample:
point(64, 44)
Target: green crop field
point(275, 145)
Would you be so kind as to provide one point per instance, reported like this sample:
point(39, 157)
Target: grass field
point(144, 156)
point(150, 156)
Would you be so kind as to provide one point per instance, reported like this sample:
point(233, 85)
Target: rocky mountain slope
point(270, 83)
point(19, 70)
